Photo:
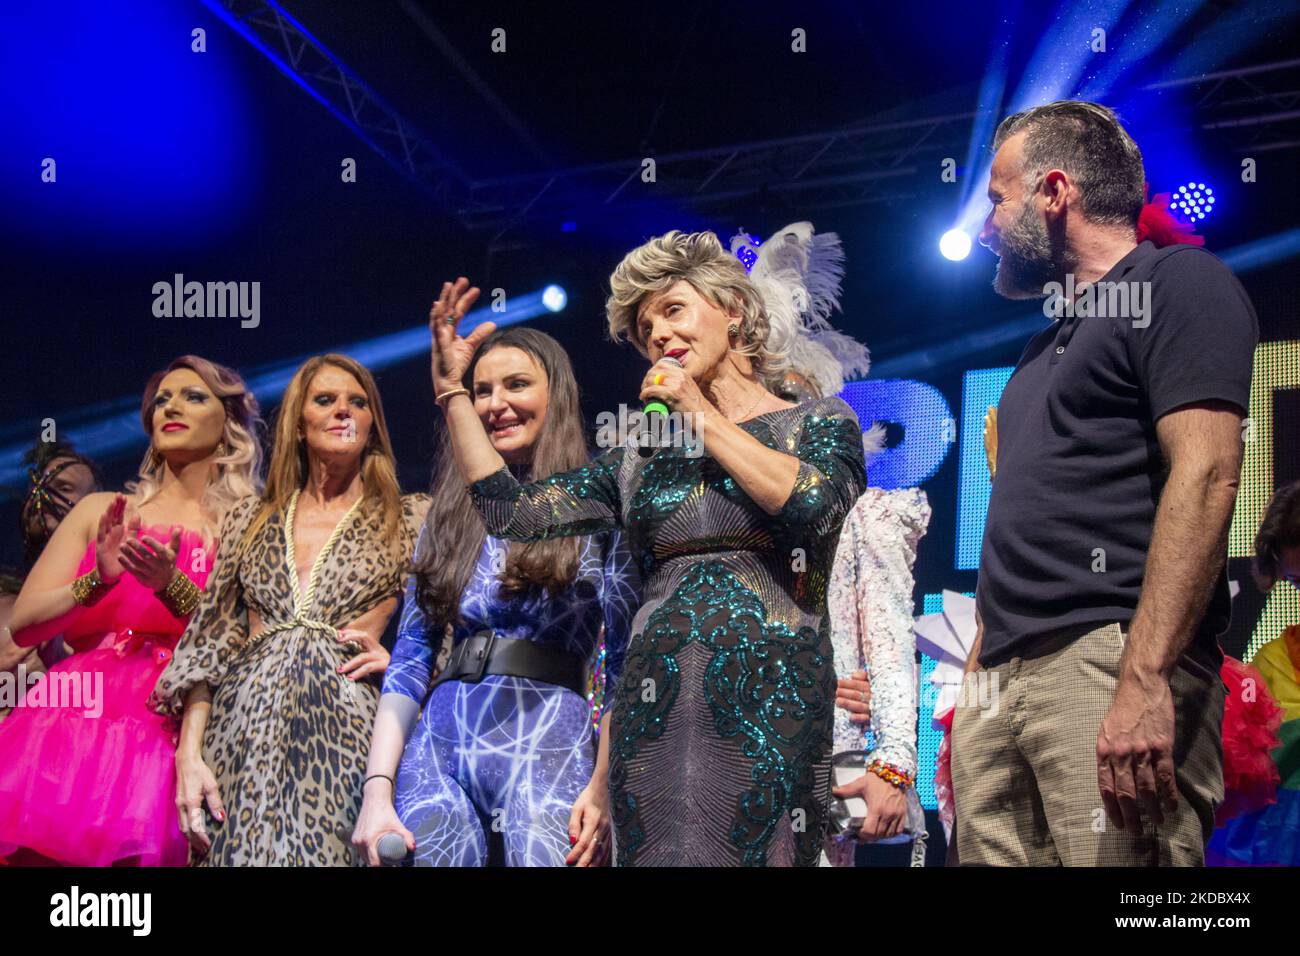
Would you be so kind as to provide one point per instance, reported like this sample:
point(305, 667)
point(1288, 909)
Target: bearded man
point(1102, 585)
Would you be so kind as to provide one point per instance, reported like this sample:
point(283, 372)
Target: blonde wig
point(239, 459)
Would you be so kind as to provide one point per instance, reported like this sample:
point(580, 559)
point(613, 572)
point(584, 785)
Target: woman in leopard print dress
point(276, 674)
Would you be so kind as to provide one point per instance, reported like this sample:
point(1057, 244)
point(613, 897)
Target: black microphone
point(655, 428)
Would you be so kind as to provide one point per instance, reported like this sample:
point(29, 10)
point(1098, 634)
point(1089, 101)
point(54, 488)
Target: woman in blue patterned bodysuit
point(507, 757)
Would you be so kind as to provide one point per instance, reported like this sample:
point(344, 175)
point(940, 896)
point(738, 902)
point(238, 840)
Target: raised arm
point(450, 356)
point(582, 501)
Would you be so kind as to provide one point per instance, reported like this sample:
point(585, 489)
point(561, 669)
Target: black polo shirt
point(1079, 468)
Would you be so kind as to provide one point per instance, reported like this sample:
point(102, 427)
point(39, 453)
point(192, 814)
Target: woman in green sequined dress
point(720, 740)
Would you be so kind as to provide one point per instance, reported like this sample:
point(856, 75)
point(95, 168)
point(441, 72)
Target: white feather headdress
point(798, 273)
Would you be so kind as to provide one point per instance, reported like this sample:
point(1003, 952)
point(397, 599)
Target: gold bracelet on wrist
point(180, 596)
point(90, 588)
point(450, 393)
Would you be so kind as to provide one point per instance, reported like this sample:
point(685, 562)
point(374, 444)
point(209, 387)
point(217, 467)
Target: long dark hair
point(456, 532)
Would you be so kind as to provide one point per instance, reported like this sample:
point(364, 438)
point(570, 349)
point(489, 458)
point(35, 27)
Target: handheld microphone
point(392, 850)
point(647, 444)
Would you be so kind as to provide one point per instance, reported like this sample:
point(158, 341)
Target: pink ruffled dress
point(87, 771)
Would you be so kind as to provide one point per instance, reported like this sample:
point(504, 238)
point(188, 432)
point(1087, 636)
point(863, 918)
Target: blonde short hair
point(700, 259)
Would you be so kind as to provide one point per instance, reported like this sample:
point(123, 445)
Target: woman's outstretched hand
point(451, 353)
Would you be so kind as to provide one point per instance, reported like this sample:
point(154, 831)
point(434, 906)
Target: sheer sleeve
point(416, 651)
point(620, 599)
point(584, 500)
point(218, 624)
point(415, 508)
point(832, 471)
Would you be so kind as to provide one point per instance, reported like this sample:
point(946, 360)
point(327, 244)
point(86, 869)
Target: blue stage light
point(955, 245)
point(554, 298)
point(147, 138)
point(1194, 201)
point(748, 251)
point(110, 428)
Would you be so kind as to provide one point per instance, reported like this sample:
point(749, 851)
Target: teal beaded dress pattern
point(720, 735)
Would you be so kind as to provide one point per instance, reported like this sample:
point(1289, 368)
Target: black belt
point(482, 654)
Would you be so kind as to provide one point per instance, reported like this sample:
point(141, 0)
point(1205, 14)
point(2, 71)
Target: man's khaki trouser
point(1024, 760)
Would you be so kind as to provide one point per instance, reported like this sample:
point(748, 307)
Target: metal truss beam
point(1257, 106)
point(304, 59)
point(863, 163)
point(1254, 107)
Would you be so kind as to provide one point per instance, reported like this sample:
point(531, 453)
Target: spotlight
point(554, 298)
point(1193, 201)
point(955, 245)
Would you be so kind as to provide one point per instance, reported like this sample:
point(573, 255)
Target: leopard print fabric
point(287, 736)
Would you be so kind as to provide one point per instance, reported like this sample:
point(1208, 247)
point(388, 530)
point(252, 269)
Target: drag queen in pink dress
point(87, 771)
